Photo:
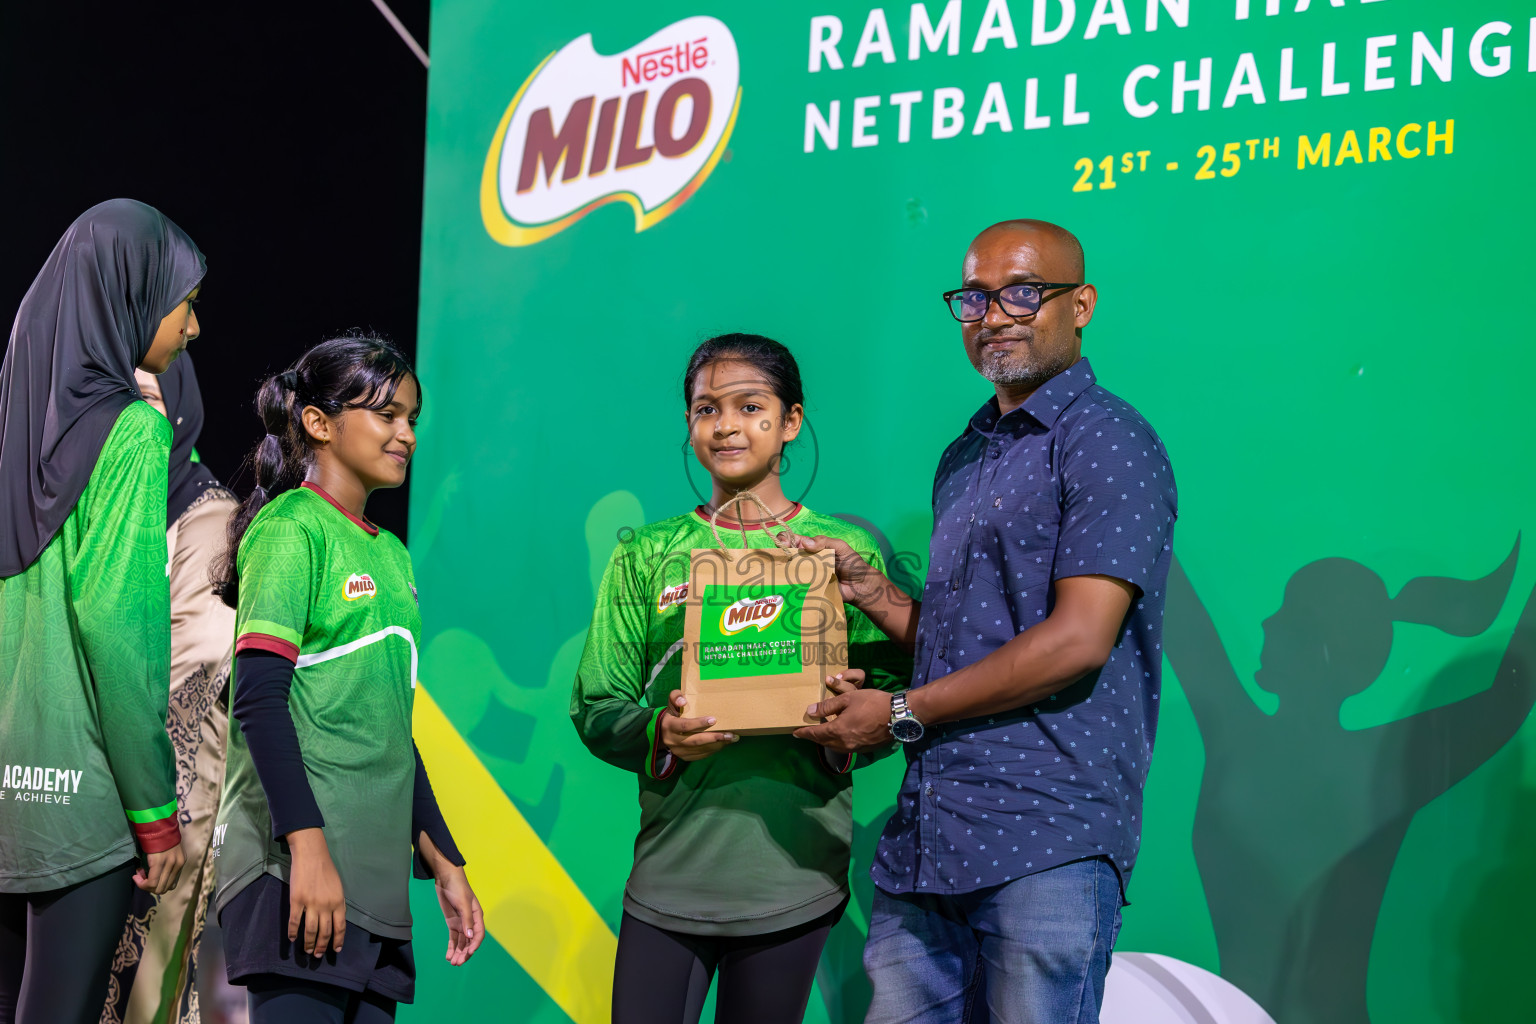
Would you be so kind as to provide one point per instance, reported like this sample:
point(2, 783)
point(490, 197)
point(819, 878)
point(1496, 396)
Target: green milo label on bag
point(750, 631)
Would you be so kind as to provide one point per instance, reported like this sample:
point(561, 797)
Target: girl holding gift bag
point(741, 862)
point(325, 794)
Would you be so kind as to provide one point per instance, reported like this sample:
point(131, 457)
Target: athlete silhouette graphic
point(1299, 819)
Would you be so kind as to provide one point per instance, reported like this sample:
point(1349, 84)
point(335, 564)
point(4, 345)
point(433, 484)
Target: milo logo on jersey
point(359, 584)
point(645, 127)
point(750, 631)
point(672, 597)
point(37, 784)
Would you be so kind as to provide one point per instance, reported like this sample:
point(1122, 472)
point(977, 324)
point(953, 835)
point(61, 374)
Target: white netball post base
point(1148, 988)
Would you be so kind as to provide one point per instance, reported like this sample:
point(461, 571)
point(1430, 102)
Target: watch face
point(907, 729)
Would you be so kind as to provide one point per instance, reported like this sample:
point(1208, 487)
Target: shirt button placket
point(927, 815)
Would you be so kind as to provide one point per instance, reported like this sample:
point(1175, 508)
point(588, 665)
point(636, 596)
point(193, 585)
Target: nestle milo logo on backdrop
point(644, 127)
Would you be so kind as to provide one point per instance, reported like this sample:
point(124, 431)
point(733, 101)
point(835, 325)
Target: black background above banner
point(286, 140)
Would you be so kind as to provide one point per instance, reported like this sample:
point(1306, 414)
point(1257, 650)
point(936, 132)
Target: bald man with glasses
point(1038, 657)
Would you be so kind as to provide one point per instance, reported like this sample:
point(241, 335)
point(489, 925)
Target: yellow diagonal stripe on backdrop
point(532, 907)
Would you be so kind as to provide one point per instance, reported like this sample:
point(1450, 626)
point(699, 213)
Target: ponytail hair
point(358, 371)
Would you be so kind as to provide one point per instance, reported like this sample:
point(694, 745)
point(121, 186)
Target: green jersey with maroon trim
point(337, 596)
point(85, 667)
point(754, 838)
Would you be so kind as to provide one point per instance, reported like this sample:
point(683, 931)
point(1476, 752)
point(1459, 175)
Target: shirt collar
point(1045, 406)
point(369, 528)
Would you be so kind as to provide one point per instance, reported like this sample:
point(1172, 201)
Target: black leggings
point(56, 949)
point(662, 977)
point(274, 999)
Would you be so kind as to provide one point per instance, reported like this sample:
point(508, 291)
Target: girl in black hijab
point(89, 773)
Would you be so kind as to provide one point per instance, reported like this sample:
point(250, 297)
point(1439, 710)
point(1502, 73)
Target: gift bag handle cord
point(714, 523)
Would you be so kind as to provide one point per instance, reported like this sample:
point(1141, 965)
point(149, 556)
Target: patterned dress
point(156, 961)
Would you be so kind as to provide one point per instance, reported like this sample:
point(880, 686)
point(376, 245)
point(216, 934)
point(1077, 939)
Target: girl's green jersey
point(337, 596)
point(85, 663)
point(754, 838)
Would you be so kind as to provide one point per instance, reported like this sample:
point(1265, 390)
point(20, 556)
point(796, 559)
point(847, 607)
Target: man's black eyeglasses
point(969, 305)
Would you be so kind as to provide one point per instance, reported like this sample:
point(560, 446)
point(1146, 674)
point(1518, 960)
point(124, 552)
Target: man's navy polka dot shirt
point(1073, 483)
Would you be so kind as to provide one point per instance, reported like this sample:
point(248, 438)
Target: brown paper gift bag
point(763, 629)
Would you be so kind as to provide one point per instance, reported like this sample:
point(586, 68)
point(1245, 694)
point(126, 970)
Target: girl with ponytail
point(325, 794)
point(268, 460)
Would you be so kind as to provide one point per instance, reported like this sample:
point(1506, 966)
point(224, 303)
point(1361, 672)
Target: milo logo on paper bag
point(757, 614)
point(750, 631)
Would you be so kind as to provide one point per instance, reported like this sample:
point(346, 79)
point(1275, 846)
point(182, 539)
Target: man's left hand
point(863, 721)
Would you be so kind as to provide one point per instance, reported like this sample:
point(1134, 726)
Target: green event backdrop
point(1337, 358)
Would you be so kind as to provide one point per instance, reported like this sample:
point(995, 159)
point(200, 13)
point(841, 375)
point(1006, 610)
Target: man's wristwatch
point(904, 724)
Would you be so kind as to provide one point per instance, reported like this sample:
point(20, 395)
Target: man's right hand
point(856, 578)
point(315, 897)
point(163, 872)
point(869, 590)
point(689, 739)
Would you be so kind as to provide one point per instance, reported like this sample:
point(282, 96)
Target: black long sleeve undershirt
point(427, 817)
point(262, 682)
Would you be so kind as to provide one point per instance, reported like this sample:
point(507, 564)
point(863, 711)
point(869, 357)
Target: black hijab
point(184, 408)
point(87, 321)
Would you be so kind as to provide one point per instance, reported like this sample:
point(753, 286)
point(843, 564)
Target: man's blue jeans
point(1031, 951)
